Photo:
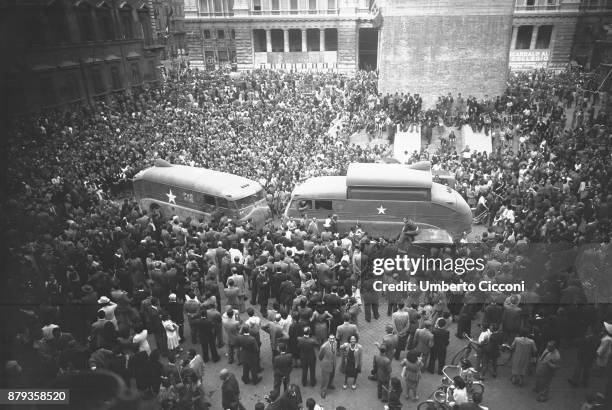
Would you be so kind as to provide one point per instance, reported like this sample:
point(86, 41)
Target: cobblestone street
point(500, 394)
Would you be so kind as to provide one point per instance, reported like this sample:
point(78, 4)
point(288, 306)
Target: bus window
point(249, 200)
point(304, 205)
point(390, 194)
point(208, 202)
point(323, 205)
point(224, 203)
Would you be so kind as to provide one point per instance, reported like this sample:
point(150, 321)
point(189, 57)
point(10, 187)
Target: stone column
point(286, 38)
point(515, 30)
point(534, 37)
point(304, 41)
point(268, 40)
point(321, 39)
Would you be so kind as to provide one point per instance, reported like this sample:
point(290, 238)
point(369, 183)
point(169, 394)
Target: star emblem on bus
point(171, 197)
point(381, 210)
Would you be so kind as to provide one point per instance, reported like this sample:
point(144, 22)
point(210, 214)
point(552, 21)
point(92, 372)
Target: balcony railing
point(537, 7)
point(522, 5)
point(217, 14)
point(292, 12)
point(596, 7)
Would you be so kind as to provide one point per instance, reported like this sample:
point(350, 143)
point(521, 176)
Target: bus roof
point(387, 175)
point(327, 187)
point(204, 180)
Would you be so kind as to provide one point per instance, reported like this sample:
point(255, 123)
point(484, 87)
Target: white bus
point(198, 193)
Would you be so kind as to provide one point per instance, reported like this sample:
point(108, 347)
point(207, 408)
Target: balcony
point(296, 12)
point(595, 5)
point(217, 14)
point(537, 5)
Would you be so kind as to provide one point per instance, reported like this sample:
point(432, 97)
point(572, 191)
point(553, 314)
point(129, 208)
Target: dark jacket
point(283, 363)
point(306, 347)
point(441, 339)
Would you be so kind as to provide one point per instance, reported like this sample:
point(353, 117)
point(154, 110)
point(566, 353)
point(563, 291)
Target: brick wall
point(433, 47)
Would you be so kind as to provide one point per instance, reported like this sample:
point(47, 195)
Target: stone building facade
point(76, 51)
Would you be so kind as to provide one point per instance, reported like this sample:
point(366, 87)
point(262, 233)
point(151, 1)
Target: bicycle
point(482, 217)
point(504, 357)
point(440, 398)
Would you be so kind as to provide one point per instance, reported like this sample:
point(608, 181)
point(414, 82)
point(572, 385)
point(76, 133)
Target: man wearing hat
point(108, 307)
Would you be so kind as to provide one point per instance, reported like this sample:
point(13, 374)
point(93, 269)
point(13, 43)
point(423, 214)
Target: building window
point(136, 73)
point(58, 24)
point(331, 39)
point(313, 39)
point(259, 41)
point(278, 40)
point(223, 56)
point(116, 78)
point(69, 90)
point(145, 25)
point(218, 7)
point(293, 5)
point(331, 6)
point(544, 35)
point(127, 22)
point(530, 4)
point(257, 5)
point(206, 34)
point(233, 34)
point(150, 74)
point(275, 6)
point(47, 91)
point(523, 38)
point(85, 23)
point(37, 30)
point(106, 24)
point(204, 6)
point(220, 34)
point(312, 6)
point(295, 40)
point(96, 81)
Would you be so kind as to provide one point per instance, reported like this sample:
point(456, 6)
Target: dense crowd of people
point(100, 284)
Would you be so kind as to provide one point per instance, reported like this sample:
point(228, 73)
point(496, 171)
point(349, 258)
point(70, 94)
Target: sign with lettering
point(529, 56)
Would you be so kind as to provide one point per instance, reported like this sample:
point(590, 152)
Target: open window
point(323, 204)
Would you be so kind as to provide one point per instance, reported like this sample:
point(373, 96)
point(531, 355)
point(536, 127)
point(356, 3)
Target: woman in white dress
point(171, 332)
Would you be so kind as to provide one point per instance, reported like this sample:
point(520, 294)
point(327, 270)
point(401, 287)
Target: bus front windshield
point(249, 200)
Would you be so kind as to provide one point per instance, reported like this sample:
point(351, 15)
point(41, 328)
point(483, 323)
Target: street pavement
point(500, 394)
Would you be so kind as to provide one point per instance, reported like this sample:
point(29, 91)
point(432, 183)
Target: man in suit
point(345, 331)
point(423, 340)
point(215, 317)
point(275, 330)
point(370, 298)
point(206, 336)
point(440, 344)
point(327, 356)
point(389, 341)
point(230, 391)
point(382, 373)
point(231, 327)
point(249, 356)
point(401, 320)
point(282, 364)
point(263, 288)
point(306, 347)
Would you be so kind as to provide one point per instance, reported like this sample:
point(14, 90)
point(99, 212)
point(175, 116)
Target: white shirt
point(484, 336)
point(143, 343)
